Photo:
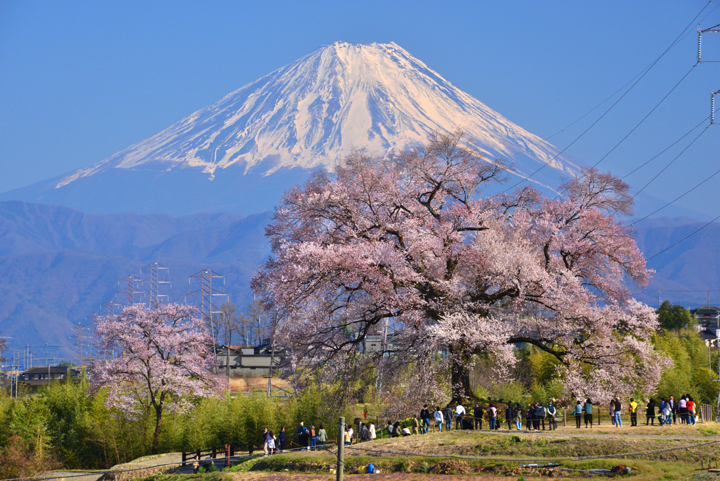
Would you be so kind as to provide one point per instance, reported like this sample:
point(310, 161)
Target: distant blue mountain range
point(59, 265)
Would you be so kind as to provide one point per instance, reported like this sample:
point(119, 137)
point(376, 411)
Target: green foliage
point(65, 423)
point(689, 374)
point(512, 391)
point(675, 317)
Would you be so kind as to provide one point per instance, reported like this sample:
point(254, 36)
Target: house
point(707, 320)
point(373, 343)
point(40, 376)
point(249, 361)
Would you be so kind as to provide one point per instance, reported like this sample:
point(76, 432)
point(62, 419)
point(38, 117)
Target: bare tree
point(253, 323)
point(227, 324)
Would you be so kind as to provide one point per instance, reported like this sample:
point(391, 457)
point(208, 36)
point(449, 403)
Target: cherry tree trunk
point(460, 363)
point(156, 434)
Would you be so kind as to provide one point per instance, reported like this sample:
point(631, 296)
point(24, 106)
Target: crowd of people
point(536, 417)
point(307, 438)
point(668, 411)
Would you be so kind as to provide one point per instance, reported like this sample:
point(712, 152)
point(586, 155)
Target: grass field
point(673, 453)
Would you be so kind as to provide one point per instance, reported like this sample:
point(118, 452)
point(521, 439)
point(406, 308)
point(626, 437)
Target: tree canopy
point(165, 362)
point(674, 316)
point(410, 241)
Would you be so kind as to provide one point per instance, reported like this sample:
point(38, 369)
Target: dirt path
point(603, 432)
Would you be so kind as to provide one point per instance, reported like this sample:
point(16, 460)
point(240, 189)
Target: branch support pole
point(341, 450)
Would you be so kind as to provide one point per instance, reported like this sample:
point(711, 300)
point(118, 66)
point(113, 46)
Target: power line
point(674, 42)
point(670, 163)
point(677, 198)
point(666, 149)
point(684, 238)
point(646, 116)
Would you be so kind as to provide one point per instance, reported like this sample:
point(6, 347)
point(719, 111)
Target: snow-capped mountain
point(265, 136)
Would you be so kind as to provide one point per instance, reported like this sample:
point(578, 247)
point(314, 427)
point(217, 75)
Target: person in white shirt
point(373, 435)
point(460, 411)
point(438, 415)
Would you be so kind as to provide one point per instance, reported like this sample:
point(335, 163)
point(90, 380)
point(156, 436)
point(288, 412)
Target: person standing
point(673, 408)
point(612, 411)
point(389, 427)
point(364, 432)
point(691, 410)
point(633, 412)
point(460, 411)
point(529, 417)
point(588, 410)
point(438, 415)
point(618, 413)
point(552, 413)
point(650, 412)
point(578, 413)
point(492, 416)
point(682, 409)
point(448, 415)
point(415, 424)
point(518, 416)
point(542, 413)
point(478, 412)
point(425, 416)
point(373, 433)
point(536, 416)
point(313, 438)
point(266, 440)
point(303, 436)
point(322, 436)
point(509, 416)
point(271, 442)
point(281, 439)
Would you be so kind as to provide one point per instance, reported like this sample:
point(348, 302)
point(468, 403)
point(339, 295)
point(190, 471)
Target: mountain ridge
point(307, 115)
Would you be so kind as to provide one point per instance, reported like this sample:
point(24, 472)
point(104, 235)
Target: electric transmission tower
point(157, 277)
point(131, 291)
point(715, 29)
point(207, 294)
point(80, 336)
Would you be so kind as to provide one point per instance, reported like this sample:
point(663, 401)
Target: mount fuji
point(241, 153)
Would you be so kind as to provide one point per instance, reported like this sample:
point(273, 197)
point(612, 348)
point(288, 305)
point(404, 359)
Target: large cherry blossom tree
point(412, 241)
point(165, 363)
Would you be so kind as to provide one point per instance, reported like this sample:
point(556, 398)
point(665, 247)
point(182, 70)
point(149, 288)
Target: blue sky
point(81, 80)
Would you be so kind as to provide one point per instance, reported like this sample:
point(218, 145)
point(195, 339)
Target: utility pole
point(341, 450)
point(273, 325)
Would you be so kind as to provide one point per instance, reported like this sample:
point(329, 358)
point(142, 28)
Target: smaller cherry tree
point(165, 363)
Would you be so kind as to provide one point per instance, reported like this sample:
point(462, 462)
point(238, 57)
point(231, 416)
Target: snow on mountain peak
point(316, 110)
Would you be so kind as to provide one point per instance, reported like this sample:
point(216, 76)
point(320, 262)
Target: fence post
point(341, 450)
point(564, 417)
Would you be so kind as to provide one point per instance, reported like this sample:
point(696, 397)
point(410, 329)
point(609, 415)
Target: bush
point(20, 461)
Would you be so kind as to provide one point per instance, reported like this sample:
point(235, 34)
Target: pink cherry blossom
point(412, 242)
point(165, 363)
